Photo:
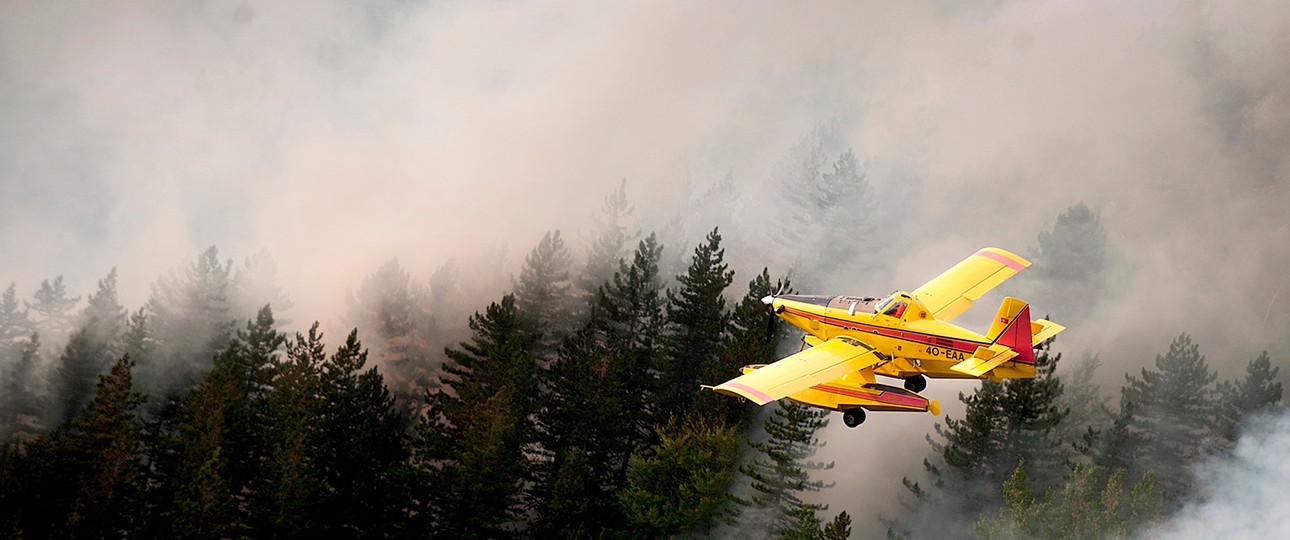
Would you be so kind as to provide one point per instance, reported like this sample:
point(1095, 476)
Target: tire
point(853, 417)
point(916, 383)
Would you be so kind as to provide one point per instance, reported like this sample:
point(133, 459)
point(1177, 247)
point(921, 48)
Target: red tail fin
point(1011, 328)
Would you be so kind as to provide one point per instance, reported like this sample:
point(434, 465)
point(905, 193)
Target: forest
point(568, 406)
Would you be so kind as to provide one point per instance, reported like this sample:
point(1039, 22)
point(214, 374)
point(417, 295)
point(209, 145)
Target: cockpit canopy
point(893, 305)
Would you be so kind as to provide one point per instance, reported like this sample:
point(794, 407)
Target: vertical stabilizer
point(1011, 328)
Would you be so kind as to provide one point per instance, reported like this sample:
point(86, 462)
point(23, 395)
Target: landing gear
point(853, 417)
point(916, 383)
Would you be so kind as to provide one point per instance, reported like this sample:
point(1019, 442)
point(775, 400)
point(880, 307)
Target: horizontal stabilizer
point(1042, 330)
point(831, 360)
point(984, 360)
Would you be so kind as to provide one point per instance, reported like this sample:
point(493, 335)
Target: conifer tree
point(1088, 505)
point(780, 469)
point(363, 465)
point(254, 285)
point(1258, 392)
point(104, 316)
point(53, 310)
point(582, 440)
point(684, 486)
point(471, 448)
point(20, 407)
point(15, 325)
point(1071, 264)
point(103, 455)
point(611, 241)
point(83, 359)
point(289, 486)
point(189, 318)
point(544, 294)
point(696, 328)
point(1174, 408)
point(392, 307)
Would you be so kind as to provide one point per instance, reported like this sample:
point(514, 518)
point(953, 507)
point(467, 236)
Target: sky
point(337, 135)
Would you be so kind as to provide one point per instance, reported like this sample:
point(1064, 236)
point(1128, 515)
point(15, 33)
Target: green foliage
point(53, 309)
point(470, 448)
point(780, 470)
point(1174, 412)
point(839, 528)
point(1084, 508)
point(544, 292)
point(696, 331)
point(392, 310)
point(1071, 265)
point(189, 318)
point(683, 488)
point(611, 240)
point(1258, 392)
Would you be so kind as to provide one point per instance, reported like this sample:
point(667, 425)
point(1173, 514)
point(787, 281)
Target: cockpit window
point(892, 307)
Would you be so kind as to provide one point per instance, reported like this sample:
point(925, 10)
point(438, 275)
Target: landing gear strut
point(916, 383)
point(853, 417)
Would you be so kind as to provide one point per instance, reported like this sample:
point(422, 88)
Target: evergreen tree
point(1258, 392)
point(684, 486)
point(611, 240)
point(839, 528)
point(190, 320)
point(1086, 507)
point(1071, 264)
point(1083, 399)
point(20, 407)
point(472, 445)
point(392, 307)
point(53, 309)
point(631, 329)
point(15, 325)
point(544, 293)
point(780, 470)
point(289, 486)
point(254, 285)
point(104, 316)
point(1174, 409)
point(582, 440)
point(1004, 422)
point(83, 359)
point(696, 329)
point(363, 465)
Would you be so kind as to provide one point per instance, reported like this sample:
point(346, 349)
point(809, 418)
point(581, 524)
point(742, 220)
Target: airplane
point(850, 340)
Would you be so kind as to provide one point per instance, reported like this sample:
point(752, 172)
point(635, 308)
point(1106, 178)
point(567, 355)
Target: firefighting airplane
point(906, 335)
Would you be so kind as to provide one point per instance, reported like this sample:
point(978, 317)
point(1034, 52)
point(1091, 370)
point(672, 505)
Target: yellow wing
point(820, 364)
point(952, 292)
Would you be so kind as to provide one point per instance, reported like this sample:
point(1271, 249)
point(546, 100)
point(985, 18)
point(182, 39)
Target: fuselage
point(898, 327)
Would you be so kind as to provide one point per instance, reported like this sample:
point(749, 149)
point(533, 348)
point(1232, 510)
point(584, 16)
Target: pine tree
point(839, 528)
point(53, 308)
point(780, 470)
point(1004, 422)
point(15, 325)
point(581, 429)
point(471, 448)
point(696, 329)
point(103, 443)
point(20, 406)
point(254, 285)
point(684, 486)
point(1258, 392)
point(1083, 399)
point(104, 316)
point(83, 359)
point(289, 487)
point(1174, 409)
point(611, 241)
point(393, 310)
point(190, 320)
point(1089, 505)
point(1071, 263)
point(544, 292)
point(363, 466)
point(631, 329)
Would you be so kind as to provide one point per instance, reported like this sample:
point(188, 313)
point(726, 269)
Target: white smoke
point(1243, 495)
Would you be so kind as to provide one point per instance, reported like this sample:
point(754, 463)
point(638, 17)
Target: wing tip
point(1008, 258)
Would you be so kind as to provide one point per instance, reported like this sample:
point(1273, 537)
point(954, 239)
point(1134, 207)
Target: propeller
point(770, 315)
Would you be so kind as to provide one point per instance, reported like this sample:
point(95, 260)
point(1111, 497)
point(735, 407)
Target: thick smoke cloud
point(339, 135)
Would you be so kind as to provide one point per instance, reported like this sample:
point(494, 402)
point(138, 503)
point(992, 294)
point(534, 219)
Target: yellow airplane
point(906, 335)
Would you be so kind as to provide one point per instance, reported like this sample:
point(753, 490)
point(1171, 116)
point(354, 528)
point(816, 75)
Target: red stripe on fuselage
point(885, 397)
point(968, 347)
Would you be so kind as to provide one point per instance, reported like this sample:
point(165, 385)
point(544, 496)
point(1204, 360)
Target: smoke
point(1244, 494)
point(338, 136)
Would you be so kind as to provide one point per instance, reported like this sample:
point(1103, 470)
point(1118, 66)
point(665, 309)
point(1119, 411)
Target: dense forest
point(570, 409)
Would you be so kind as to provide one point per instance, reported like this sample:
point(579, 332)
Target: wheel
point(916, 383)
point(853, 417)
